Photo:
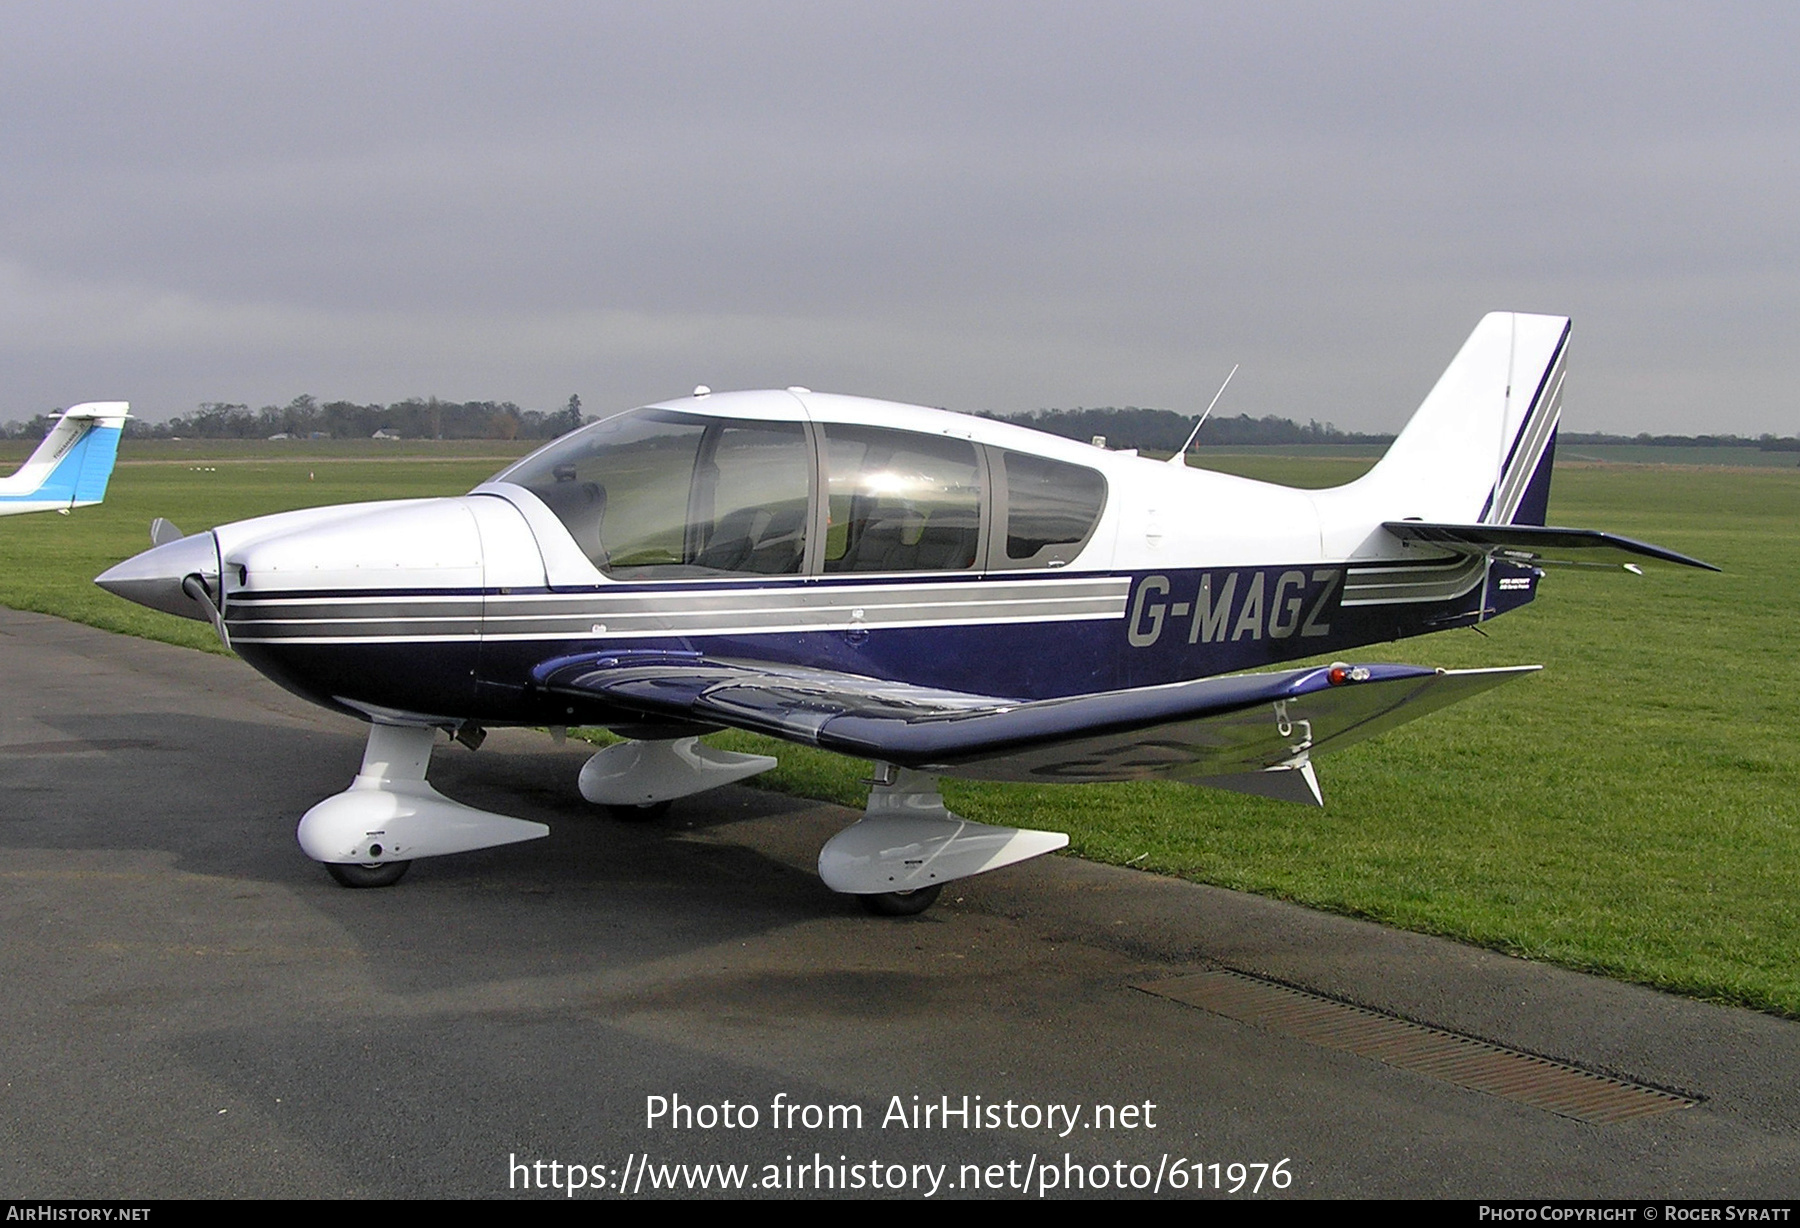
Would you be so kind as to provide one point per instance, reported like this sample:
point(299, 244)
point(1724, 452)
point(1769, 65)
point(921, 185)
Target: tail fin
point(73, 464)
point(1480, 448)
point(1470, 474)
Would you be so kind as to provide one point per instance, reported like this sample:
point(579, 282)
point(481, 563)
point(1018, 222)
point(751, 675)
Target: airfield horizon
point(1202, 455)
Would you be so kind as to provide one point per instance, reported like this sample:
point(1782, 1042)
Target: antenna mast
point(1180, 457)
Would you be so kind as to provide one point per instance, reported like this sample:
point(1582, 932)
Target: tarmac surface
point(193, 1009)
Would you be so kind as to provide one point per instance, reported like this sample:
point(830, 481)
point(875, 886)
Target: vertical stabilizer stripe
point(1528, 444)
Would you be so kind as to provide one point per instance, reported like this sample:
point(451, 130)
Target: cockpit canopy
point(662, 493)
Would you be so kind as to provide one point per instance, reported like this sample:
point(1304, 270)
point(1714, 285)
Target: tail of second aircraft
point(72, 466)
point(1479, 449)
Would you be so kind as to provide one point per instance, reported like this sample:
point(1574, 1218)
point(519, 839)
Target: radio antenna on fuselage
point(1180, 457)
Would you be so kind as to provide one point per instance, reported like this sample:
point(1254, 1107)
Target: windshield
point(657, 493)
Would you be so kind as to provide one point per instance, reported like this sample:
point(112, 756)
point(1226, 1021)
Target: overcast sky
point(980, 206)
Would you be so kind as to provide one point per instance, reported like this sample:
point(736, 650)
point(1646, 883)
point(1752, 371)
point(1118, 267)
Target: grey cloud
point(1000, 206)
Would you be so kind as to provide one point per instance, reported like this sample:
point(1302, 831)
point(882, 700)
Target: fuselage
point(790, 527)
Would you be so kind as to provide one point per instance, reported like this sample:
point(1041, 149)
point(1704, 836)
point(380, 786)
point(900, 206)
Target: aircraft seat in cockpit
point(899, 537)
point(581, 506)
point(764, 541)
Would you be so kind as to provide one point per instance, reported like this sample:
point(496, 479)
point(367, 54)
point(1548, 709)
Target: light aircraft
point(941, 594)
point(71, 467)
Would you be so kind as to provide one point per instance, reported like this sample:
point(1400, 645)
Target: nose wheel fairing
point(390, 815)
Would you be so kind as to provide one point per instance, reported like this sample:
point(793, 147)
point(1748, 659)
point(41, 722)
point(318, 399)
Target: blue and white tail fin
point(1480, 447)
point(72, 466)
point(1470, 473)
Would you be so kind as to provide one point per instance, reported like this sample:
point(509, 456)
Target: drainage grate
point(1462, 1060)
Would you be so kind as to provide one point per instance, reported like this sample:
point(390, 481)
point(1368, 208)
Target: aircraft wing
point(1537, 544)
point(1248, 732)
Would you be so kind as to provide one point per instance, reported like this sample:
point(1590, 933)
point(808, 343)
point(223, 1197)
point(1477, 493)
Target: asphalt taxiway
point(193, 1009)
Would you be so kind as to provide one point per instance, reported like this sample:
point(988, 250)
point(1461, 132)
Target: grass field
point(1633, 810)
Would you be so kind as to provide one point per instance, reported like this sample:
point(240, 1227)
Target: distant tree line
point(305, 417)
point(1162, 430)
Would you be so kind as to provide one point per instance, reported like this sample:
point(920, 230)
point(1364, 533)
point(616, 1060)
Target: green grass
point(1632, 810)
point(48, 562)
point(1651, 454)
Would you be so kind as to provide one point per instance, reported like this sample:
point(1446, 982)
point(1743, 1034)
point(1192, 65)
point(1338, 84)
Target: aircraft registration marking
point(1278, 602)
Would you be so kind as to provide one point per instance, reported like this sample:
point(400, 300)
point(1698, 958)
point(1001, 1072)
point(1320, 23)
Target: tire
point(380, 874)
point(902, 903)
point(648, 812)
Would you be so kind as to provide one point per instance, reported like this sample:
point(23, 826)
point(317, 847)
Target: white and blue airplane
point(71, 467)
point(941, 594)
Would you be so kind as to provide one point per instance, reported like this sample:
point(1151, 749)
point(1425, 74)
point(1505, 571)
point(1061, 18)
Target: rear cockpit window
point(657, 493)
point(1051, 510)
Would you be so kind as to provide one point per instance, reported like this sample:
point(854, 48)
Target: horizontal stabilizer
point(1536, 544)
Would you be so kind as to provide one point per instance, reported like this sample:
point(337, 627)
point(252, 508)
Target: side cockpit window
point(749, 503)
point(1051, 510)
point(658, 493)
point(898, 501)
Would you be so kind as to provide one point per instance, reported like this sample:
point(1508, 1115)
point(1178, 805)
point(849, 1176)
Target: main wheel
point(902, 903)
point(377, 874)
point(640, 814)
